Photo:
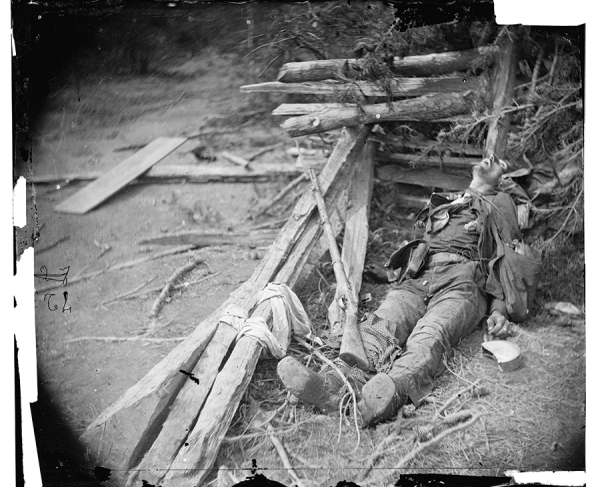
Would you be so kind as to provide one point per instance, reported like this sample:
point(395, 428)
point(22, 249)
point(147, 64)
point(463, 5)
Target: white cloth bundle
point(289, 318)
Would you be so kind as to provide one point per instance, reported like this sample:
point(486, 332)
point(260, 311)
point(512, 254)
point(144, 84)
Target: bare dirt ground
point(534, 417)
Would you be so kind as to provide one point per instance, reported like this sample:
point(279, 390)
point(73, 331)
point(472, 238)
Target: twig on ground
point(176, 287)
point(554, 62)
point(282, 194)
point(128, 293)
point(277, 411)
point(123, 339)
point(270, 224)
point(487, 442)
point(53, 244)
point(473, 384)
point(283, 455)
point(456, 396)
point(159, 302)
point(372, 459)
point(423, 446)
point(264, 150)
point(123, 265)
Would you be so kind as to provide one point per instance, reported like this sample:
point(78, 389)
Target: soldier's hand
point(498, 325)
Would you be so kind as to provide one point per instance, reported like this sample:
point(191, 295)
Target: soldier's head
point(487, 174)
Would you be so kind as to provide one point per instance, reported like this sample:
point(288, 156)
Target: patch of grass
point(533, 417)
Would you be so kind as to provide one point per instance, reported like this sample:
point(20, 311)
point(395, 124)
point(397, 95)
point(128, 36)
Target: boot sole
point(378, 401)
point(305, 384)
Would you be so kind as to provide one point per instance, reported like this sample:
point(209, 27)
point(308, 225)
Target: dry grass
point(532, 418)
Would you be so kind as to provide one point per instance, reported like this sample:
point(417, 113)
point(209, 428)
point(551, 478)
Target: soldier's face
point(489, 170)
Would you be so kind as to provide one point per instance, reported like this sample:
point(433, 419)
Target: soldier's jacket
point(461, 223)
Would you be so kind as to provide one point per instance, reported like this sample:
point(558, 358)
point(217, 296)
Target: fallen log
point(418, 160)
point(123, 433)
point(177, 459)
point(203, 239)
point(423, 65)
point(427, 178)
point(395, 87)
point(422, 109)
point(192, 173)
point(296, 109)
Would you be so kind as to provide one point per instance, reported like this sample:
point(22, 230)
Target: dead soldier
point(445, 291)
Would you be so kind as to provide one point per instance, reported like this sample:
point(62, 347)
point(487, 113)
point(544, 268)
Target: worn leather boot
point(307, 385)
point(381, 400)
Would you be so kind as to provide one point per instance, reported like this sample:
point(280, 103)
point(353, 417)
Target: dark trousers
point(431, 314)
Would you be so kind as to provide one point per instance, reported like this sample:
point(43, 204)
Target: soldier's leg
point(456, 307)
point(387, 329)
point(382, 335)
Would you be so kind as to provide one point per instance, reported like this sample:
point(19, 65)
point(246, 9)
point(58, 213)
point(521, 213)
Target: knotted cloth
point(289, 318)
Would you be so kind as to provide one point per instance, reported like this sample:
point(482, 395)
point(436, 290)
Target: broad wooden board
point(118, 177)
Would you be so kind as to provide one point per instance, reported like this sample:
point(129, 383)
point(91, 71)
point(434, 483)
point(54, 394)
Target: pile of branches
point(546, 137)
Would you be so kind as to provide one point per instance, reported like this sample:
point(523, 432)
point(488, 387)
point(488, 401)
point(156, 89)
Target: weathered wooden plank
point(172, 449)
point(117, 178)
point(427, 178)
point(120, 435)
point(361, 89)
point(192, 173)
point(352, 349)
point(422, 65)
point(423, 108)
point(184, 410)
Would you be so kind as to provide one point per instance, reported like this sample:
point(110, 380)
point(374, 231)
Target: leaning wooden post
point(503, 85)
